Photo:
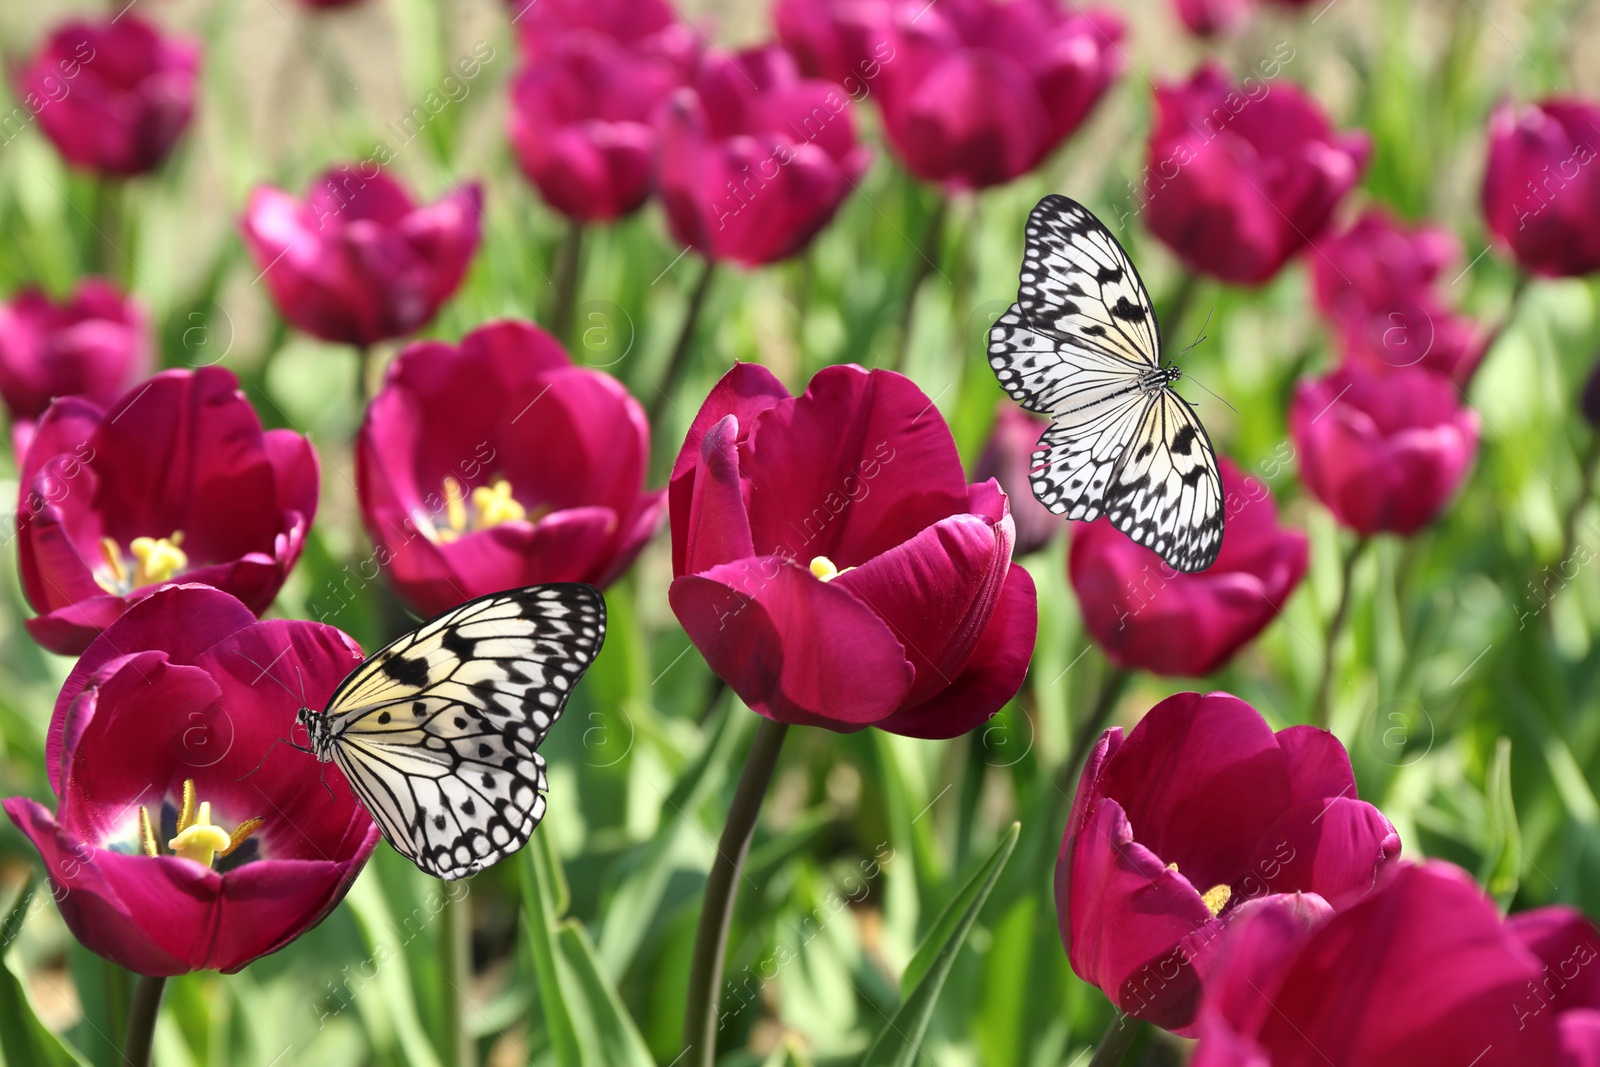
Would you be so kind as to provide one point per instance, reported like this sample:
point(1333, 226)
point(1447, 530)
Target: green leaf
point(611, 1038)
point(899, 1042)
point(538, 908)
point(24, 1040)
point(388, 1013)
point(1503, 867)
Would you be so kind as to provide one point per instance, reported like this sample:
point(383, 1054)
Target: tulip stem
point(568, 258)
point(1586, 479)
point(716, 912)
point(455, 950)
point(1320, 711)
point(364, 373)
point(1111, 687)
point(142, 1020)
point(680, 351)
point(1118, 1039)
point(921, 267)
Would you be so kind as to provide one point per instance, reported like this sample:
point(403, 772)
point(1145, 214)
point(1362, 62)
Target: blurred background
point(1472, 719)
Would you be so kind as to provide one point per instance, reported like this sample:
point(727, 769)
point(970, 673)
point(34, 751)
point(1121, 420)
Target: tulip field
point(932, 533)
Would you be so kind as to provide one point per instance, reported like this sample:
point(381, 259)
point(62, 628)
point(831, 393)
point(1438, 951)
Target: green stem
point(1111, 688)
point(142, 1021)
point(680, 351)
point(921, 267)
point(568, 258)
point(1118, 1039)
point(716, 912)
point(455, 951)
point(1335, 625)
point(1586, 480)
point(364, 373)
point(109, 258)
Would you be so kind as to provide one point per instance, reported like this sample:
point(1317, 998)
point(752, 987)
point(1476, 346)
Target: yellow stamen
point(112, 553)
point(455, 509)
point(240, 836)
point(159, 558)
point(822, 567)
point(496, 505)
point(1216, 898)
point(1172, 866)
point(202, 840)
point(147, 835)
point(186, 812)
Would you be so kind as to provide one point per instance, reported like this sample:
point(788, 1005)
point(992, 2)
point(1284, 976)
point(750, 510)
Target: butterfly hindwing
point(1082, 346)
point(438, 732)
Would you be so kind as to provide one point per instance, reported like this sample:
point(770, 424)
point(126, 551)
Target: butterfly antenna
point(1201, 336)
point(1201, 384)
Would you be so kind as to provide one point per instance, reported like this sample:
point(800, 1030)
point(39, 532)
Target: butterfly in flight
point(438, 733)
point(1081, 345)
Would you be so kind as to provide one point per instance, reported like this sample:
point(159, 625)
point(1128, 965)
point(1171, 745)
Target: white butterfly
point(438, 732)
point(1082, 346)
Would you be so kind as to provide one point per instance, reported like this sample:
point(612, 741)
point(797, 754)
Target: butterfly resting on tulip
point(1082, 345)
point(438, 732)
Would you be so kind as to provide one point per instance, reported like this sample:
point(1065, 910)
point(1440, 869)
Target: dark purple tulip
point(497, 463)
point(174, 482)
point(755, 159)
point(1007, 458)
point(113, 94)
point(1208, 18)
point(842, 41)
point(173, 693)
point(1200, 814)
point(644, 27)
point(360, 262)
point(1241, 177)
point(1376, 260)
point(1147, 616)
point(1541, 188)
point(976, 93)
point(832, 564)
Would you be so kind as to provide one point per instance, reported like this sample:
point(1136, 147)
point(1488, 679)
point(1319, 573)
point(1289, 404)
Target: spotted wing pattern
point(438, 733)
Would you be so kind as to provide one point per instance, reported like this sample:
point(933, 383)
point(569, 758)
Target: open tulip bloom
point(1200, 813)
point(175, 482)
point(833, 565)
point(175, 846)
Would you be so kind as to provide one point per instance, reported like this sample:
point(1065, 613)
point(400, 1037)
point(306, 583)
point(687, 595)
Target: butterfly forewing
point(1077, 282)
point(438, 732)
point(1082, 346)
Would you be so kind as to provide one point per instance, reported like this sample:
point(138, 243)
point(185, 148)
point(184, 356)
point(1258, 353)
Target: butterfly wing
point(1078, 283)
point(438, 732)
point(1166, 492)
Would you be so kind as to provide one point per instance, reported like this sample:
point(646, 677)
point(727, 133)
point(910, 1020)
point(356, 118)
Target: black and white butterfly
point(1081, 345)
point(438, 732)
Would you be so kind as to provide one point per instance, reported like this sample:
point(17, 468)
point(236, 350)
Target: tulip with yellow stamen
point(148, 561)
point(487, 507)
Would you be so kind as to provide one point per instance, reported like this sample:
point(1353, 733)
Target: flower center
point(199, 839)
point(822, 567)
point(148, 560)
point(487, 506)
point(1216, 898)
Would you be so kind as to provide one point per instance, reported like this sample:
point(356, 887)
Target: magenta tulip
point(754, 158)
point(842, 41)
point(1414, 332)
point(359, 262)
point(1208, 18)
point(174, 482)
point(581, 124)
point(644, 27)
point(1383, 452)
point(1147, 616)
point(1420, 971)
point(1376, 260)
point(978, 92)
point(113, 94)
point(833, 566)
point(1541, 188)
point(94, 344)
point(1007, 458)
point(1241, 177)
point(497, 463)
point(175, 701)
point(1201, 814)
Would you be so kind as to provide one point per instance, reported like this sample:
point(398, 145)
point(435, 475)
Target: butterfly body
point(1082, 345)
point(438, 732)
